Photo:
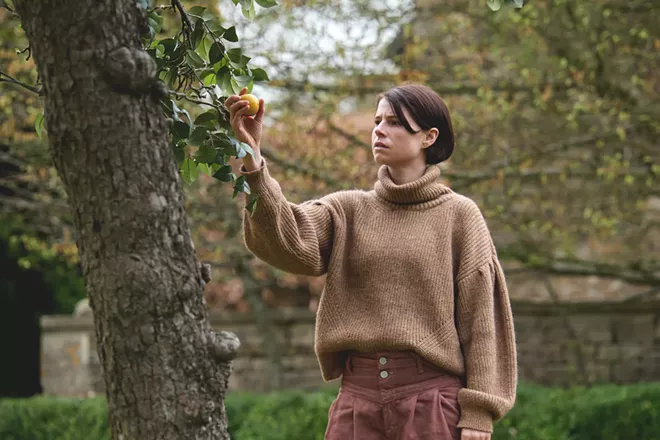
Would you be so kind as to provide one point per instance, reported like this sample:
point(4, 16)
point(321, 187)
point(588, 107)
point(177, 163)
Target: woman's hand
point(472, 434)
point(246, 128)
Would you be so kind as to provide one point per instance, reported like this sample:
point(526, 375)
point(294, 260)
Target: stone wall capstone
point(558, 344)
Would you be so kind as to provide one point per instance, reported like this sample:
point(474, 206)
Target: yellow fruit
point(254, 104)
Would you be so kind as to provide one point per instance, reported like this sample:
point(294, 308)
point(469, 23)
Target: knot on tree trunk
point(205, 271)
point(225, 346)
point(130, 70)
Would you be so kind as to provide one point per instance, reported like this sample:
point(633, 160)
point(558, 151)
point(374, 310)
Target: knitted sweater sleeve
point(290, 237)
point(485, 328)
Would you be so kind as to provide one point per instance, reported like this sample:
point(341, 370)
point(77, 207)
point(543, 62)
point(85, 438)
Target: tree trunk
point(165, 370)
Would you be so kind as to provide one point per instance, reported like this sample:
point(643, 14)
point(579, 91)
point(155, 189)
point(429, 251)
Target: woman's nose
point(378, 131)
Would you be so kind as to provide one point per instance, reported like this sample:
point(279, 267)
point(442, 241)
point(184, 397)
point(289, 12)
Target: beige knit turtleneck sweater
point(409, 267)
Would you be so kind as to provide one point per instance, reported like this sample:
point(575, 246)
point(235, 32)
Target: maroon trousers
point(394, 396)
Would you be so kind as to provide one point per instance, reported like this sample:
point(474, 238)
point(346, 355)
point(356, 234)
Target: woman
point(415, 314)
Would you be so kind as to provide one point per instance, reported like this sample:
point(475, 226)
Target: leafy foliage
point(199, 65)
point(553, 106)
point(541, 413)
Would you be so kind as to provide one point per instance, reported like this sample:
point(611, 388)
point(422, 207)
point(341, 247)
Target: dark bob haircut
point(428, 110)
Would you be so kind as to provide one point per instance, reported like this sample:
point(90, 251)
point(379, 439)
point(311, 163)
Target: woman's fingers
point(470, 434)
point(236, 112)
point(230, 100)
point(233, 98)
point(236, 106)
point(260, 113)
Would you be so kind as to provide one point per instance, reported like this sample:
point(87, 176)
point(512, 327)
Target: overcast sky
point(319, 41)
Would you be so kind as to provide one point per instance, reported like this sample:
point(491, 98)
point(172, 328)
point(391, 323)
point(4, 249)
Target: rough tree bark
point(165, 370)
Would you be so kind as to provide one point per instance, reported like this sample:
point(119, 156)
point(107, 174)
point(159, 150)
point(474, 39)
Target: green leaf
point(243, 149)
point(237, 59)
point(216, 53)
point(179, 155)
point(216, 28)
point(208, 77)
point(518, 3)
point(205, 47)
point(495, 5)
point(266, 3)
point(181, 130)
point(198, 33)
point(209, 16)
point(222, 141)
point(205, 168)
point(242, 64)
point(194, 59)
point(169, 45)
point(223, 79)
point(185, 112)
point(260, 75)
point(230, 34)
point(235, 54)
point(241, 186)
point(175, 110)
point(210, 80)
point(198, 135)
point(155, 21)
point(197, 11)
point(247, 8)
point(251, 206)
point(235, 87)
point(39, 124)
point(189, 171)
point(244, 81)
point(206, 154)
point(207, 119)
point(224, 174)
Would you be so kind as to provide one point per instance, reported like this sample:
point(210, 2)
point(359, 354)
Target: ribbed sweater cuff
point(257, 176)
point(475, 418)
point(260, 181)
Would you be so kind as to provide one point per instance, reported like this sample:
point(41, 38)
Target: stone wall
point(557, 344)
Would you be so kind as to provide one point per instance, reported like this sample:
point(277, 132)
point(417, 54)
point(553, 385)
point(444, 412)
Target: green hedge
point(602, 412)
point(53, 418)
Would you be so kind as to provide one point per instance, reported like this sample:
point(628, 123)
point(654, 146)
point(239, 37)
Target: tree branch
point(309, 172)
point(575, 267)
point(12, 80)
point(196, 101)
point(185, 20)
point(465, 179)
point(646, 295)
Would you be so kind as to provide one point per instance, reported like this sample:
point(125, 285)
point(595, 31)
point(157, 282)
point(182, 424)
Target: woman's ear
point(430, 137)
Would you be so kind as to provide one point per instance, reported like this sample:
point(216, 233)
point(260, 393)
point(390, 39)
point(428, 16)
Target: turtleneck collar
point(424, 189)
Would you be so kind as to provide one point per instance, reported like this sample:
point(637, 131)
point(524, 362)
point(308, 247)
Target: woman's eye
point(394, 122)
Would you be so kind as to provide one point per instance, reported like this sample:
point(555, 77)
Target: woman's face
point(391, 143)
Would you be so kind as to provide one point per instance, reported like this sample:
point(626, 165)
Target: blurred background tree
point(555, 106)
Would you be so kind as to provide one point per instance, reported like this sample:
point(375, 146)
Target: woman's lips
point(380, 145)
